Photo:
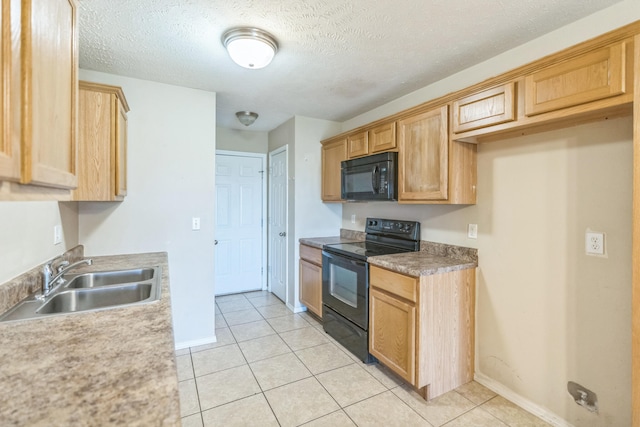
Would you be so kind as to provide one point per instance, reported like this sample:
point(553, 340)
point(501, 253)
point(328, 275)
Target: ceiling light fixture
point(246, 117)
point(250, 47)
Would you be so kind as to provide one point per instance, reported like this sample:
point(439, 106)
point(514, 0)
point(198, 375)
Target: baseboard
point(195, 343)
point(522, 402)
point(298, 309)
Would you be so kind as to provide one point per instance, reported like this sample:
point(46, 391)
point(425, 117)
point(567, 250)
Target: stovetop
point(364, 249)
point(383, 237)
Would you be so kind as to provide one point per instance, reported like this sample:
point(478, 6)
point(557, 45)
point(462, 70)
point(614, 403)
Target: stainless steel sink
point(106, 278)
point(90, 299)
point(92, 291)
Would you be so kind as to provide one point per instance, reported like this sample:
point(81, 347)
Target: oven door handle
point(375, 180)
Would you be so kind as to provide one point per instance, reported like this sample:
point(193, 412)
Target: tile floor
point(271, 367)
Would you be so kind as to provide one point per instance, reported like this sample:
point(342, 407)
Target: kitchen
point(156, 173)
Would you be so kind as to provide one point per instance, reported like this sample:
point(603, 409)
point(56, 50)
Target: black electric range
point(345, 279)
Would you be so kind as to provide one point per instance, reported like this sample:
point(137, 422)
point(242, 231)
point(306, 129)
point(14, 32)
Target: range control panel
point(403, 229)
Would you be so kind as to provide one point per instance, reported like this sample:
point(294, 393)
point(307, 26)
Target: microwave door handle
point(374, 179)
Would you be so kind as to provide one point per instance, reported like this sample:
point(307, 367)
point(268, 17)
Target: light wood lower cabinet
point(423, 328)
point(102, 148)
point(311, 279)
point(392, 337)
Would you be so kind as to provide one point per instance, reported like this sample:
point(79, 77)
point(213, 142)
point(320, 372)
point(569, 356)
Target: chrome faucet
point(50, 279)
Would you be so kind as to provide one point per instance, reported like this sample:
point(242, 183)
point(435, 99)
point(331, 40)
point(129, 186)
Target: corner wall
point(171, 162)
point(26, 234)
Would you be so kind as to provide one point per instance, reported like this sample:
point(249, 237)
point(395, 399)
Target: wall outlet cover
point(473, 231)
point(594, 243)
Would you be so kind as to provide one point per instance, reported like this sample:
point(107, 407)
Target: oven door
point(345, 283)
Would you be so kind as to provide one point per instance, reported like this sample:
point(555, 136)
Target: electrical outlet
point(594, 243)
point(472, 232)
point(57, 234)
point(195, 223)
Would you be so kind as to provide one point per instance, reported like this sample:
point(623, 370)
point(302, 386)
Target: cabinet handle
point(215, 242)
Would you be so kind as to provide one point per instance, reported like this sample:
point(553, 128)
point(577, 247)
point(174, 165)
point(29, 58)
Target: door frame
point(263, 158)
point(287, 249)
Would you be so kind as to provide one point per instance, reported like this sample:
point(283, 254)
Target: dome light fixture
point(247, 118)
point(250, 47)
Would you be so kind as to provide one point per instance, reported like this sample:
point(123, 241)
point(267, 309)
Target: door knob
point(282, 234)
point(215, 242)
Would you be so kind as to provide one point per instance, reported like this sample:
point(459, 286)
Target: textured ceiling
point(337, 58)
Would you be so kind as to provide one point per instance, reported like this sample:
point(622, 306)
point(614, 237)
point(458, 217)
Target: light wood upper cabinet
point(422, 328)
point(382, 138)
point(10, 81)
point(423, 156)
point(102, 148)
point(311, 279)
point(596, 75)
point(49, 92)
point(39, 77)
point(333, 153)
point(358, 144)
point(486, 108)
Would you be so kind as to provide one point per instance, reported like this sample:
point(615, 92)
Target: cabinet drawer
point(486, 108)
point(394, 283)
point(589, 77)
point(311, 254)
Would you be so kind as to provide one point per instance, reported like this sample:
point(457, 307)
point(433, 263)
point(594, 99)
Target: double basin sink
point(92, 291)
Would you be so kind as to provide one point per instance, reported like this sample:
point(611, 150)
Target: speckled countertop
point(318, 242)
point(433, 258)
point(109, 367)
point(420, 263)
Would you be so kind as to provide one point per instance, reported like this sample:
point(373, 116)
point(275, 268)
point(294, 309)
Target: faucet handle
point(61, 266)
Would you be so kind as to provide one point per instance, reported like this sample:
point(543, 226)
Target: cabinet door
point(49, 93)
point(423, 156)
point(121, 150)
point(358, 144)
point(382, 138)
point(595, 75)
point(333, 153)
point(94, 147)
point(486, 108)
point(10, 81)
point(311, 286)
point(392, 333)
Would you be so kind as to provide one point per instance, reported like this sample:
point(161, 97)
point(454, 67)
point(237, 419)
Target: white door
point(278, 223)
point(239, 234)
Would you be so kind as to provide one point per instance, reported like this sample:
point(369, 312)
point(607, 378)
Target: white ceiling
point(337, 58)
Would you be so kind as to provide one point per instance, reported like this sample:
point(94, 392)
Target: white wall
point(546, 313)
point(308, 216)
point(313, 218)
point(242, 140)
point(171, 161)
point(26, 234)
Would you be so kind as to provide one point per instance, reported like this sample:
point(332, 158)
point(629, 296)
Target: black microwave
point(372, 177)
